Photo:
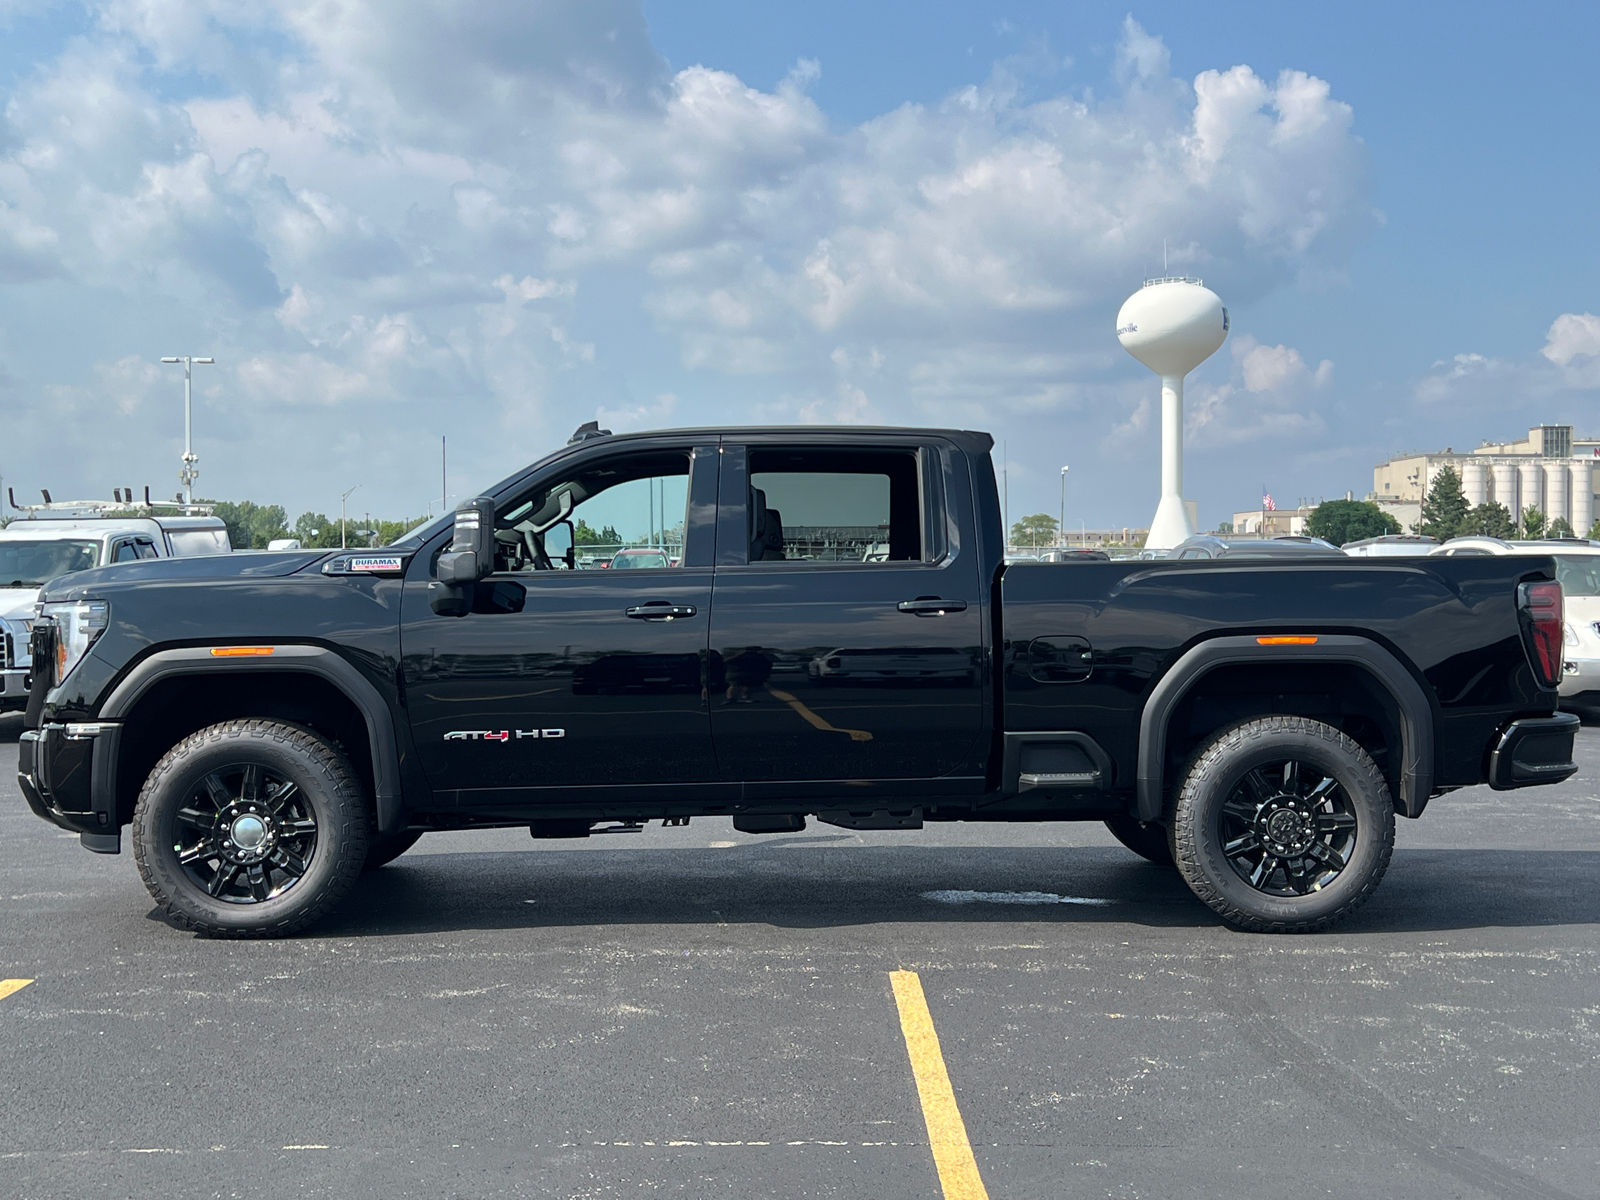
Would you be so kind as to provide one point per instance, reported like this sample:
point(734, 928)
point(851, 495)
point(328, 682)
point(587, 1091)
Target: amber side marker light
point(1287, 639)
point(240, 651)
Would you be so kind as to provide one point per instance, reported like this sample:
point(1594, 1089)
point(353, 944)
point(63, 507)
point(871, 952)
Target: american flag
point(1266, 502)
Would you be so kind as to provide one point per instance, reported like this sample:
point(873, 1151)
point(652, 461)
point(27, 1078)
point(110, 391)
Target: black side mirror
point(469, 559)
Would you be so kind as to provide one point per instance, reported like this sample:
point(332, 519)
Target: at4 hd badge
point(501, 735)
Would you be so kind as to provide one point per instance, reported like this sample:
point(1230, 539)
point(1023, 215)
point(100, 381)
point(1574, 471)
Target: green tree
point(1559, 528)
point(1037, 530)
point(584, 534)
point(1445, 507)
point(1341, 521)
point(390, 532)
point(250, 525)
point(1489, 519)
point(1533, 522)
point(317, 532)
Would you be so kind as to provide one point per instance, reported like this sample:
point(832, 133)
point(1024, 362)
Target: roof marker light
point(240, 651)
point(1288, 639)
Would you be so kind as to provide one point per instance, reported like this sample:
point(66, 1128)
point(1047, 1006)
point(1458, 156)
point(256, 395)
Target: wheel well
point(177, 706)
point(1338, 694)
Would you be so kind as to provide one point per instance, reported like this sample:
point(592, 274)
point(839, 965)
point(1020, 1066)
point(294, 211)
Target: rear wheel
point(250, 829)
point(1146, 839)
point(1283, 825)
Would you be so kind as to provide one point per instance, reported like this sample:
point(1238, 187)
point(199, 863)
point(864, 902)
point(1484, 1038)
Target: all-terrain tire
point(1220, 775)
point(172, 810)
point(1147, 840)
point(384, 848)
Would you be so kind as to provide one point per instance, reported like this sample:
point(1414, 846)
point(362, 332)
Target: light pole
point(1061, 527)
point(342, 499)
point(188, 475)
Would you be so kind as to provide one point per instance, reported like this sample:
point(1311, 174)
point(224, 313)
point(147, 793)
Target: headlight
point(1571, 634)
point(78, 623)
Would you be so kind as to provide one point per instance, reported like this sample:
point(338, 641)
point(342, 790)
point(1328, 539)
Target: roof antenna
point(1164, 267)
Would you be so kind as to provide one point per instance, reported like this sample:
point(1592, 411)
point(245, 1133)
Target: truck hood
point(240, 564)
point(18, 602)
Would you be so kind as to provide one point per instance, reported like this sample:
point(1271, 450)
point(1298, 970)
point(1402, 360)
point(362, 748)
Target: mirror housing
point(471, 553)
point(469, 559)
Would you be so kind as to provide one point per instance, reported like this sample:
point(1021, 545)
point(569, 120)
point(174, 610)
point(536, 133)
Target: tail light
point(1542, 628)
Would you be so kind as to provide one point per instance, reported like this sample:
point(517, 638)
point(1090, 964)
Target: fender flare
point(1416, 714)
point(312, 660)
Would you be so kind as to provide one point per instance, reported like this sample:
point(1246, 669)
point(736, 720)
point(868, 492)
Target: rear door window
point(826, 505)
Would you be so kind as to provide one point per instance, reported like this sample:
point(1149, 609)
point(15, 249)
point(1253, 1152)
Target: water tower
point(1172, 326)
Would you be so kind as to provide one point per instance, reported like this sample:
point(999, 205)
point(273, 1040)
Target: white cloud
point(1270, 393)
point(510, 217)
point(1559, 383)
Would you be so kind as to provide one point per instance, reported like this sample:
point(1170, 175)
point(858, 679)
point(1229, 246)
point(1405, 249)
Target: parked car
point(1210, 545)
point(639, 556)
point(1390, 545)
point(35, 550)
point(270, 725)
point(1066, 556)
point(1578, 571)
point(894, 664)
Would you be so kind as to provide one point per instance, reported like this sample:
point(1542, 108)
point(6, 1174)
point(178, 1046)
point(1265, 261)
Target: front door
point(586, 675)
point(847, 627)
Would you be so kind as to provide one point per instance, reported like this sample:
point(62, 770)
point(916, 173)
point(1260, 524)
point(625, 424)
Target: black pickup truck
point(820, 622)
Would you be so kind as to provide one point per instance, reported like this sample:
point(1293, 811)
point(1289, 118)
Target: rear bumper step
point(1533, 751)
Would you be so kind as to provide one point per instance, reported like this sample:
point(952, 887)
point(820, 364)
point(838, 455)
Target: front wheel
point(1283, 825)
point(250, 829)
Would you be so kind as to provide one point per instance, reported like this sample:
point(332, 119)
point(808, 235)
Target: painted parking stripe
point(8, 986)
point(947, 1133)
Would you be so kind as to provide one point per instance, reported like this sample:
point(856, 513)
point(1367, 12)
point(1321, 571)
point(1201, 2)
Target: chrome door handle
point(660, 610)
point(931, 606)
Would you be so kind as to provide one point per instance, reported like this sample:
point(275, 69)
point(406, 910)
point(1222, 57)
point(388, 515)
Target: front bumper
point(1579, 675)
point(1533, 751)
point(14, 685)
point(68, 776)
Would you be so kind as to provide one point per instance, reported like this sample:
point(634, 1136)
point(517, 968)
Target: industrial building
point(1550, 470)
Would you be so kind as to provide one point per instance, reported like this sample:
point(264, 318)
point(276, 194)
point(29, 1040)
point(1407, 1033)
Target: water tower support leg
point(1171, 523)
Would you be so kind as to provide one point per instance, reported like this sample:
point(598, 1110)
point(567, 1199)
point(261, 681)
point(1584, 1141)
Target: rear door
point(847, 639)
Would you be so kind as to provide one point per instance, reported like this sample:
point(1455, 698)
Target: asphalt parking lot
point(698, 1012)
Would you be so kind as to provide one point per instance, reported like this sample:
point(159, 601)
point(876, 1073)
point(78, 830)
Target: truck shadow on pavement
point(1425, 890)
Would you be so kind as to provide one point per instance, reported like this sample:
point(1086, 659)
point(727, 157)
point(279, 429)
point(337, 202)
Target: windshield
point(1578, 574)
point(638, 558)
point(34, 564)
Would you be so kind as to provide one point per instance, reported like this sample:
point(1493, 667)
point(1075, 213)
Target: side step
point(881, 818)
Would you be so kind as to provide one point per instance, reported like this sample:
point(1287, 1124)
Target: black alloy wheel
point(1283, 825)
point(1288, 829)
point(250, 829)
point(245, 834)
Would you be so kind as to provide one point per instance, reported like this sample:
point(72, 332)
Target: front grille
point(7, 652)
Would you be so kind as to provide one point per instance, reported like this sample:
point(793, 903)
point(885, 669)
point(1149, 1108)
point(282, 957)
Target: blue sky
point(392, 222)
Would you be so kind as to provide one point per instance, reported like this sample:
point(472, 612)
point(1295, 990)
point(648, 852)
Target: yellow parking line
point(7, 986)
point(947, 1133)
point(816, 722)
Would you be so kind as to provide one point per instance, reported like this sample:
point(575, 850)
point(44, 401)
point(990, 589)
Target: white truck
point(57, 539)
